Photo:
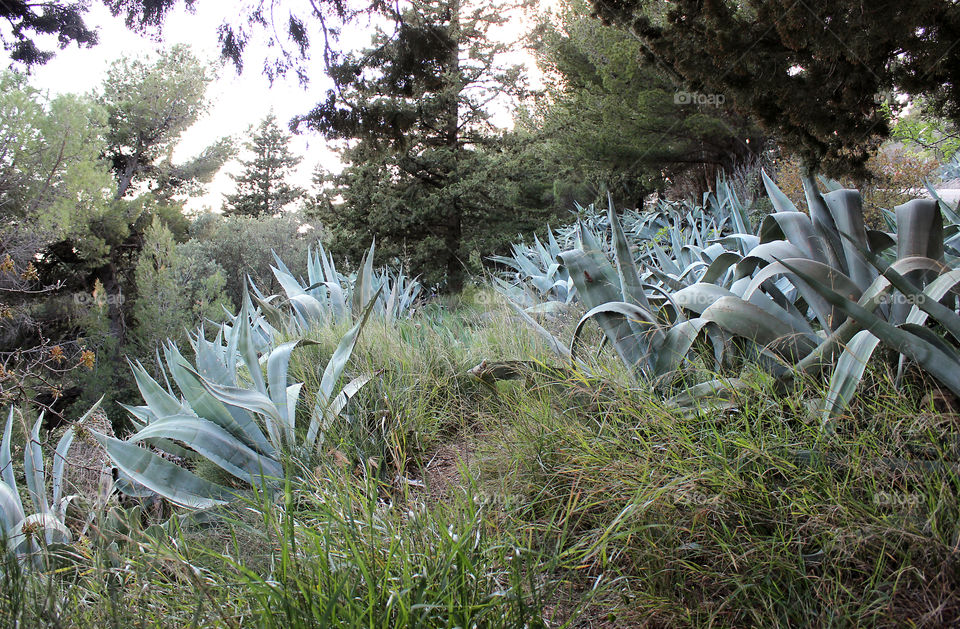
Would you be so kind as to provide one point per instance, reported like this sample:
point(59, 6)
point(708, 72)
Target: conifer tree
point(818, 74)
point(262, 187)
point(421, 150)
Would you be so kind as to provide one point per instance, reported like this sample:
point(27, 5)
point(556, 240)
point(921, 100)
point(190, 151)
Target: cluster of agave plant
point(799, 294)
point(232, 406)
point(331, 297)
point(327, 297)
point(805, 292)
point(668, 245)
point(228, 410)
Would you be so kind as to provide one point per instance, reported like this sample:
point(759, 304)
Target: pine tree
point(262, 189)
point(818, 73)
point(422, 155)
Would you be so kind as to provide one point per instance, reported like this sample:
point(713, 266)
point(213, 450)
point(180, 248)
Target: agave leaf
point(59, 461)
point(698, 297)
point(215, 444)
point(54, 532)
point(936, 291)
point(597, 284)
point(338, 301)
point(824, 224)
point(676, 345)
point(250, 400)
point(846, 207)
point(631, 287)
point(873, 297)
point(7, 474)
point(781, 202)
point(392, 302)
point(751, 321)
point(768, 252)
point(293, 395)
point(33, 469)
point(245, 344)
point(797, 229)
point(928, 302)
point(277, 366)
point(945, 207)
point(207, 405)
point(338, 362)
point(553, 342)
point(163, 477)
point(846, 377)
point(324, 415)
point(271, 313)
point(925, 354)
point(161, 403)
point(11, 510)
point(635, 350)
point(287, 282)
point(210, 363)
point(720, 266)
point(363, 288)
point(829, 318)
point(919, 229)
point(707, 393)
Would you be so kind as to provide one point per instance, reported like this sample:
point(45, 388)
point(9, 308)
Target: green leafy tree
point(51, 183)
point(243, 247)
point(421, 149)
point(262, 187)
point(613, 120)
point(815, 74)
point(927, 133)
point(149, 105)
point(178, 287)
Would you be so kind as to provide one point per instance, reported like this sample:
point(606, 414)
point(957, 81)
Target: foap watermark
point(698, 98)
point(98, 299)
point(900, 298)
point(897, 499)
point(499, 500)
point(697, 498)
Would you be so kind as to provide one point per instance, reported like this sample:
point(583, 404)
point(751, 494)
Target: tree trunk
point(109, 279)
point(453, 227)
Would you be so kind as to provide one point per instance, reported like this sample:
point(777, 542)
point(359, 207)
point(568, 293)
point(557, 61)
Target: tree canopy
point(425, 173)
point(262, 187)
point(817, 74)
point(614, 119)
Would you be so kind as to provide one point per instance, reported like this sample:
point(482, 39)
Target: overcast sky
point(237, 101)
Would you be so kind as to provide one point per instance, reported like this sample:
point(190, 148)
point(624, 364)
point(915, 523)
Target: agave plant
point(929, 288)
point(652, 337)
point(796, 295)
point(244, 425)
point(672, 247)
point(45, 526)
point(536, 280)
point(330, 296)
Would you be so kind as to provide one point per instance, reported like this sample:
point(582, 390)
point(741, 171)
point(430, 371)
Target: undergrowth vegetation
point(479, 473)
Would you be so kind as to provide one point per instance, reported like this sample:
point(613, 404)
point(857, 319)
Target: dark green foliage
point(613, 120)
point(262, 189)
point(66, 22)
point(428, 176)
point(243, 246)
point(815, 74)
point(27, 19)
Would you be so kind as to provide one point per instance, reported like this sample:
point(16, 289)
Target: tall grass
point(579, 501)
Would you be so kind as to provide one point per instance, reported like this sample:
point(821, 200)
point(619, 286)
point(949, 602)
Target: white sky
point(237, 101)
